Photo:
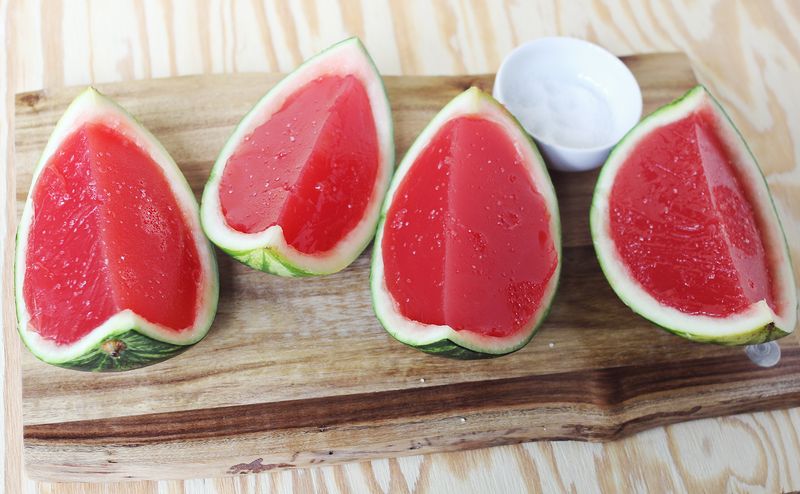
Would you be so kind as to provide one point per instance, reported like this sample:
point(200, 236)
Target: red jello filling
point(467, 241)
point(310, 168)
point(107, 235)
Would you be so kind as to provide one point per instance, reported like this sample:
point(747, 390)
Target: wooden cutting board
point(299, 372)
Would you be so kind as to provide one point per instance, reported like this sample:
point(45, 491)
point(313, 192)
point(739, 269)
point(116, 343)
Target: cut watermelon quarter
point(468, 251)
point(298, 186)
point(112, 270)
point(686, 232)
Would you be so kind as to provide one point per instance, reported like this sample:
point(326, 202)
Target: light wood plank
point(11, 396)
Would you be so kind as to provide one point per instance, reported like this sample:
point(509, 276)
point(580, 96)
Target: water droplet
point(508, 220)
point(397, 221)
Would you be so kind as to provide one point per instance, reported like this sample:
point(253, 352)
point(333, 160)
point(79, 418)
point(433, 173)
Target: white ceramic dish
point(575, 98)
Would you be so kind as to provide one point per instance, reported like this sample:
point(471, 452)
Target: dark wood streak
point(256, 466)
point(29, 99)
point(611, 394)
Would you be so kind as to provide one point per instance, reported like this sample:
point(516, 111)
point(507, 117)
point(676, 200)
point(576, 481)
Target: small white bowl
point(575, 98)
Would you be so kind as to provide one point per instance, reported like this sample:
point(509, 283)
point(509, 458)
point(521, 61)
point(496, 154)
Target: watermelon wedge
point(686, 232)
point(297, 188)
point(112, 270)
point(468, 251)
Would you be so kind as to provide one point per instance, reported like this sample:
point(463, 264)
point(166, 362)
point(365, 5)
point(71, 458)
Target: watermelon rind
point(135, 350)
point(442, 339)
point(268, 250)
point(757, 324)
point(137, 341)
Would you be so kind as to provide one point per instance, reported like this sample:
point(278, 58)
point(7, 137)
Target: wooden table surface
point(747, 53)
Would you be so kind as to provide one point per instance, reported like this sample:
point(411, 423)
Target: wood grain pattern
point(748, 53)
point(296, 373)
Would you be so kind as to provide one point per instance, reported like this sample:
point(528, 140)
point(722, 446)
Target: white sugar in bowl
point(575, 99)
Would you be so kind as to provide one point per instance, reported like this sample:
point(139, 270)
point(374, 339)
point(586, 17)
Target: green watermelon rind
point(268, 250)
point(763, 334)
point(267, 260)
point(146, 343)
point(140, 351)
point(757, 325)
point(444, 340)
point(446, 348)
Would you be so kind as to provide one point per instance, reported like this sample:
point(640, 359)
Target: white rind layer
point(471, 102)
point(739, 328)
point(92, 107)
point(348, 57)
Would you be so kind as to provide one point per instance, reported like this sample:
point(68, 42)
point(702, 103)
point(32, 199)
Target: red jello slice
point(467, 240)
point(107, 235)
point(310, 168)
point(682, 222)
